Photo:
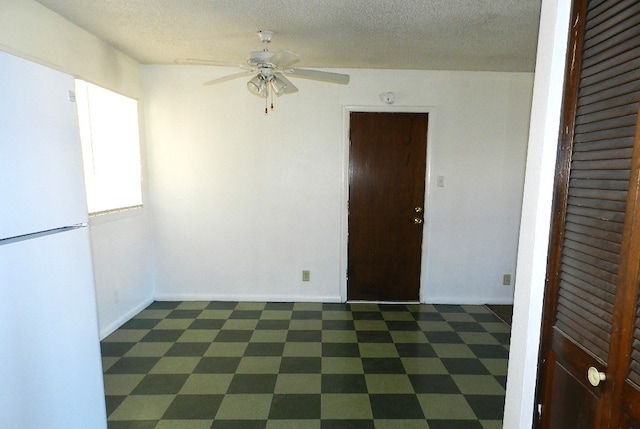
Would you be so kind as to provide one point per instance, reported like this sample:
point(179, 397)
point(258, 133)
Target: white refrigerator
point(50, 365)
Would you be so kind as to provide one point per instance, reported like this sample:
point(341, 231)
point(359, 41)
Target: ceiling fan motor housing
point(258, 58)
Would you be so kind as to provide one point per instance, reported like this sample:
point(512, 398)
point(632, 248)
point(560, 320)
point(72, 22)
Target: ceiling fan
point(268, 70)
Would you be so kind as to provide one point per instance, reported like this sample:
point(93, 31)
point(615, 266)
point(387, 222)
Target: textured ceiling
point(492, 35)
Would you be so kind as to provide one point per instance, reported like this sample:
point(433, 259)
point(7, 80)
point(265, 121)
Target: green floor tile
point(245, 406)
point(142, 407)
point(388, 383)
point(257, 365)
point(345, 406)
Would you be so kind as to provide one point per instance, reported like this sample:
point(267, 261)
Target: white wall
point(536, 213)
point(243, 202)
point(121, 243)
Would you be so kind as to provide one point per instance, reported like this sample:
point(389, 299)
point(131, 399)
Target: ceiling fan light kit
point(268, 70)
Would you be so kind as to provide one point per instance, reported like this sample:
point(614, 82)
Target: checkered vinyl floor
point(246, 365)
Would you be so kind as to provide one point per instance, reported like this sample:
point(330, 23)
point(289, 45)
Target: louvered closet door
point(590, 304)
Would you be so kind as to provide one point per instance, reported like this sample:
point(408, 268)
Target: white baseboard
point(244, 297)
point(108, 330)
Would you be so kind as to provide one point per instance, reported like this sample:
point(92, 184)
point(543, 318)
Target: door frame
point(344, 218)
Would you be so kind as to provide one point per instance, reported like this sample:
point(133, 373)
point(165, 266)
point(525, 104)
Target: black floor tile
point(400, 325)
point(210, 324)
point(338, 325)
point(343, 383)
point(114, 349)
point(489, 351)
point(221, 305)
point(264, 349)
point(198, 407)
point(428, 316)
point(253, 383)
point(163, 305)
point(133, 424)
point(467, 327)
point(273, 325)
point(133, 365)
point(184, 314)
point(374, 337)
point(347, 424)
point(233, 336)
point(454, 424)
point(239, 424)
point(160, 384)
point(217, 365)
point(187, 349)
point(306, 315)
point(239, 364)
point(141, 324)
point(113, 401)
point(162, 336)
point(433, 383)
point(340, 350)
point(486, 407)
point(464, 366)
point(304, 336)
point(246, 314)
point(387, 406)
point(367, 315)
point(445, 308)
point(415, 350)
point(300, 365)
point(445, 337)
point(279, 306)
point(294, 407)
point(383, 366)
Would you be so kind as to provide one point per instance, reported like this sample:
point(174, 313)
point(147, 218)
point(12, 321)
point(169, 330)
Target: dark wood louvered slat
point(606, 205)
point(624, 115)
point(601, 10)
point(601, 224)
point(582, 332)
point(596, 226)
point(595, 193)
point(604, 131)
point(597, 278)
point(614, 42)
point(605, 97)
point(604, 294)
point(595, 242)
point(615, 153)
point(595, 232)
point(608, 124)
point(587, 300)
point(589, 254)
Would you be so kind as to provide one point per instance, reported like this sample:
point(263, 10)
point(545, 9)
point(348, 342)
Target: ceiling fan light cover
point(279, 87)
point(257, 86)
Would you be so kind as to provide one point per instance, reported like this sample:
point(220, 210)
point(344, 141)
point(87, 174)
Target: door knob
point(595, 376)
point(418, 209)
point(417, 221)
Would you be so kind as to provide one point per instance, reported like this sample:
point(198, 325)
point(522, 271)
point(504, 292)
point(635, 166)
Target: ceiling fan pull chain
point(266, 101)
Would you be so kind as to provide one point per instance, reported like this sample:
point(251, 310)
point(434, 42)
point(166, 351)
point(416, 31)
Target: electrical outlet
point(506, 279)
point(306, 275)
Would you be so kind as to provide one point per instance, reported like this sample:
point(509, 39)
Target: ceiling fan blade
point(284, 58)
point(227, 78)
point(200, 62)
point(290, 88)
point(318, 75)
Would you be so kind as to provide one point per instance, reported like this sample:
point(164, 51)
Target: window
point(110, 148)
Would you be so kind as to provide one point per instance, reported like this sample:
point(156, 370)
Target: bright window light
point(110, 148)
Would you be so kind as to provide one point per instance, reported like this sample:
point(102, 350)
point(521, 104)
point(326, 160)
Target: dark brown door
point(591, 324)
point(387, 165)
